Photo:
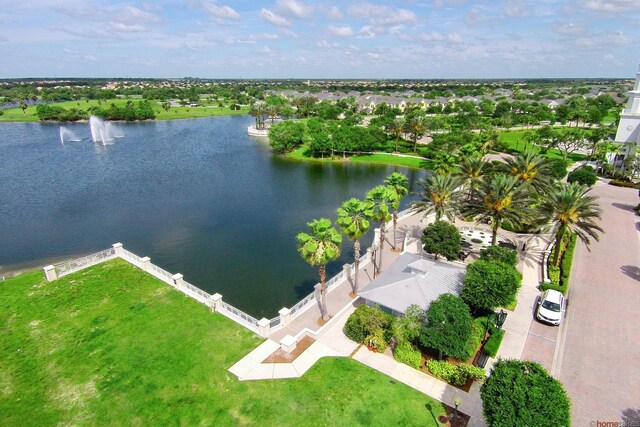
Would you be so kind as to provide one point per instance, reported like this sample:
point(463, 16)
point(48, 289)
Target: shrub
point(584, 175)
point(479, 329)
point(554, 274)
point(377, 340)
point(457, 375)
point(545, 285)
point(557, 168)
point(522, 393)
point(500, 254)
point(407, 328)
point(493, 343)
point(366, 321)
point(567, 260)
point(620, 183)
point(490, 284)
point(449, 326)
point(442, 238)
point(408, 354)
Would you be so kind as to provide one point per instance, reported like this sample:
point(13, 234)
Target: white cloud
point(611, 5)
point(326, 45)
point(568, 28)
point(382, 15)
point(126, 28)
point(133, 14)
point(288, 32)
point(293, 8)
point(263, 36)
point(366, 32)
point(333, 13)
point(90, 58)
point(372, 55)
point(278, 20)
point(475, 16)
point(435, 36)
point(220, 13)
point(267, 51)
point(440, 3)
point(341, 31)
point(516, 9)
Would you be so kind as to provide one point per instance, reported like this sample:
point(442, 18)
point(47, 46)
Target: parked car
point(550, 307)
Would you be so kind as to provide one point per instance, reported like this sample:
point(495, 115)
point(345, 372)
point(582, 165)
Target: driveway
point(600, 363)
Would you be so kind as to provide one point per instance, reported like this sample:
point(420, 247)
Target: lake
point(199, 197)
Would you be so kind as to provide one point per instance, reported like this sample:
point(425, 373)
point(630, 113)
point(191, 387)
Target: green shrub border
point(560, 277)
point(626, 184)
point(493, 343)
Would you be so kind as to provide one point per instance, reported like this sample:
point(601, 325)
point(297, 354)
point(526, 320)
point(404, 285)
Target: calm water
point(200, 197)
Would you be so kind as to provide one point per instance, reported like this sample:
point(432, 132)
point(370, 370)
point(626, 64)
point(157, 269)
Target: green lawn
point(16, 114)
point(111, 345)
point(517, 142)
point(302, 153)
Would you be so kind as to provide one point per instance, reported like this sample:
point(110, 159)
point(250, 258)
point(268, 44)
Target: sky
point(320, 39)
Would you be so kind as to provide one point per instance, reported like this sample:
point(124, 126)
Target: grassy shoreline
point(112, 345)
point(301, 154)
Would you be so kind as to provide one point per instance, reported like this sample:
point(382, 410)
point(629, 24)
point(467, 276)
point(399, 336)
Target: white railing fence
point(68, 267)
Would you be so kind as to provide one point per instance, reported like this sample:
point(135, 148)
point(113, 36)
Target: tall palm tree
point(415, 127)
point(399, 183)
point(499, 198)
point(353, 219)
point(397, 127)
point(382, 198)
point(440, 195)
point(319, 247)
point(471, 171)
point(257, 111)
point(531, 169)
point(569, 209)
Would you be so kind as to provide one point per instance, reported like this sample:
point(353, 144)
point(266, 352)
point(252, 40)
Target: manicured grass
point(517, 142)
point(16, 114)
point(110, 345)
point(302, 153)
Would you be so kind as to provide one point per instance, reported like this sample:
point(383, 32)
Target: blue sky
point(324, 39)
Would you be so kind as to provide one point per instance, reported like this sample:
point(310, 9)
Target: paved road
point(600, 364)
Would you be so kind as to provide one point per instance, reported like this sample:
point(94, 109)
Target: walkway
point(600, 365)
point(331, 341)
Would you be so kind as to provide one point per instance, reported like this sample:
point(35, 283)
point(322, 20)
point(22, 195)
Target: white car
point(550, 307)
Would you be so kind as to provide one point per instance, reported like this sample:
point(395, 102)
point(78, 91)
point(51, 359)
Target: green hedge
point(554, 274)
point(457, 375)
point(407, 354)
point(366, 321)
point(618, 183)
point(567, 260)
point(544, 286)
point(493, 343)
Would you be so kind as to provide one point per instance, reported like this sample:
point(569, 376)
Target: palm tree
point(569, 209)
point(531, 169)
point(397, 127)
point(382, 198)
point(470, 171)
point(258, 110)
point(499, 198)
point(440, 195)
point(399, 183)
point(272, 111)
point(320, 247)
point(443, 163)
point(415, 127)
point(353, 219)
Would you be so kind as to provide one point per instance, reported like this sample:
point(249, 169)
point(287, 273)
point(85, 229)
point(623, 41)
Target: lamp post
point(502, 316)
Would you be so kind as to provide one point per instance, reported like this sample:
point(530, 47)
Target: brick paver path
point(600, 366)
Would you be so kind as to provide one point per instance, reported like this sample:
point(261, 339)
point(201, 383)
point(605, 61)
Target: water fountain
point(66, 134)
point(102, 131)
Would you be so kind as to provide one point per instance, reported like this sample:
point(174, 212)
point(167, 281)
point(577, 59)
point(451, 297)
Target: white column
point(285, 316)
point(177, 280)
point(118, 249)
point(288, 343)
point(347, 270)
point(405, 242)
point(215, 302)
point(264, 327)
point(145, 263)
point(50, 273)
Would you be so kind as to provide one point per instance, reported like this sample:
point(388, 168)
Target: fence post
point(145, 263)
point(285, 316)
point(405, 242)
point(347, 271)
point(178, 280)
point(264, 327)
point(376, 238)
point(288, 343)
point(118, 248)
point(50, 273)
point(215, 302)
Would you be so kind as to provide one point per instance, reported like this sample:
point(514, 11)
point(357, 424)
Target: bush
point(493, 343)
point(407, 328)
point(567, 260)
point(620, 183)
point(479, 329)
point(584, 175)
point(554, 274)
point(557, 168)
point(442, 238)
point(522, 393)
point(408, 354)
point(490, 284)
point(449, 326)
point(366, 321)
point(546, 285)
point(376, 340)
point(500, 254)
point(457, 375)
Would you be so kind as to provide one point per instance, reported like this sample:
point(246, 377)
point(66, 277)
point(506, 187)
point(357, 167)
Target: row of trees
point(323, 242)
point(520, 194)
point(143, 110)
